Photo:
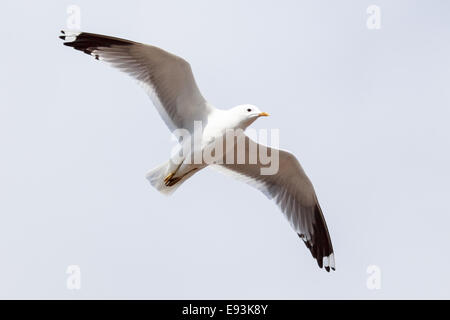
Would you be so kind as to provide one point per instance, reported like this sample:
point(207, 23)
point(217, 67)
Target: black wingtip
point(319, 262)
point(89, 42)
point(319, 242)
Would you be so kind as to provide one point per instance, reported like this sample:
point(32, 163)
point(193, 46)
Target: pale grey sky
point(365, 111)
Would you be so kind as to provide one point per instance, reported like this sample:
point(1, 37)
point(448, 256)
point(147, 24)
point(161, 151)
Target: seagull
point(170, 83)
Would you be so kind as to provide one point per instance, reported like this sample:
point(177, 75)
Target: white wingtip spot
point(70, 35)
point(325, 262)
point(96, 55)
point(328, 262)
point(331, 260)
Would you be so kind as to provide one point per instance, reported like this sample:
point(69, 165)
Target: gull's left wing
point(167, 78)
point(294, 193)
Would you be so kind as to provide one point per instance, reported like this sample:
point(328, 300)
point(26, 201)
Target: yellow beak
point(263, 114)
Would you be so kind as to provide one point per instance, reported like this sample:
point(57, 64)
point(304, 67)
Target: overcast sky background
point(365, 111)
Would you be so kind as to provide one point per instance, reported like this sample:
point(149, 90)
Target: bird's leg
point(171, 174)
point(170, 181)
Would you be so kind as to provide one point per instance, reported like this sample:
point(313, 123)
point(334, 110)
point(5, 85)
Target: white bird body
point(218, 123)
point(169, 81)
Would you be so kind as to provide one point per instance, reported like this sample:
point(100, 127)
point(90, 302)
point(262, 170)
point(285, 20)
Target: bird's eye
point(249, 110)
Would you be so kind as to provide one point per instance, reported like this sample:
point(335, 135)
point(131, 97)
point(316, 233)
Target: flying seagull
point(169, 81)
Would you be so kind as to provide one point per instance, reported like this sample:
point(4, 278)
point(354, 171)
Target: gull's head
point(246, 114)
